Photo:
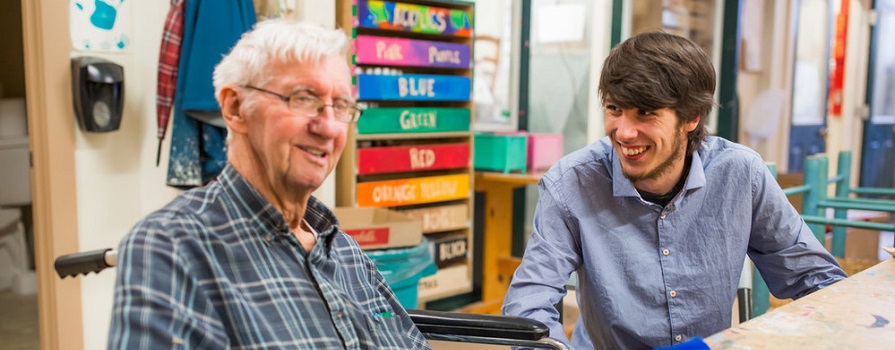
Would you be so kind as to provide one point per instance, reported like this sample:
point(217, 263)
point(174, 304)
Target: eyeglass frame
point(319, 105)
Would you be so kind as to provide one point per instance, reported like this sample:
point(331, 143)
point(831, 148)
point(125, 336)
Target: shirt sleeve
point(785, 251)
point(157, 303)
point(551, 254)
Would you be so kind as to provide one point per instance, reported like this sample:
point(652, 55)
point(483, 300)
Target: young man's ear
point(230, 103)
point(691, 125)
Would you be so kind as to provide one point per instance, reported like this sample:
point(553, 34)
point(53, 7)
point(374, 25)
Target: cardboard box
point(378, 228)
point(441, 218)
point(448, 281)
point(788, 180)
point(860, 244)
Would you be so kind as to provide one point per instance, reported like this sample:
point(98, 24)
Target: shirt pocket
point(390, 330)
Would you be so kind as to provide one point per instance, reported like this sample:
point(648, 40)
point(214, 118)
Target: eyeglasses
point(303, 103)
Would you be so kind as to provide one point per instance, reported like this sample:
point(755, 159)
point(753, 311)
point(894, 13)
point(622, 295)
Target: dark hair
point(656, 70)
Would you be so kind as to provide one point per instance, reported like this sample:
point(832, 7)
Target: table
point(498, 234)
point(856, 313)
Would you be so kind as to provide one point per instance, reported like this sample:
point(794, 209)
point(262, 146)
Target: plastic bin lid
point(400, 253)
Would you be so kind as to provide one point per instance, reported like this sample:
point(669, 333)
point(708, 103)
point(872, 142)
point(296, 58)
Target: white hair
point(276, 41)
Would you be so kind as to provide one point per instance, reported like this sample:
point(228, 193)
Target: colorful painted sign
point(413, 120)
point(413, 18)
point(409, 52)
point(441, 218)
point(380, 160)
point(412, 191)
point(414, 87)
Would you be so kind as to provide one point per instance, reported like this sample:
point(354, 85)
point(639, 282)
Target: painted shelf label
point(413, 18)
point(413, 120)
point(379, 160)
point(413, 87)
point(409, 52)
point(412, 191)
point(441, 218)
point(448, 249)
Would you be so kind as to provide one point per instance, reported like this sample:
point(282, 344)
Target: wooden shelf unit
point(414, 105)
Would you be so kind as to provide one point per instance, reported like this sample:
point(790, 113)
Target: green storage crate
point(501, 152)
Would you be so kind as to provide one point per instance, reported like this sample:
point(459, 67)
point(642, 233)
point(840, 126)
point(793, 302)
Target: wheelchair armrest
point(491, 326)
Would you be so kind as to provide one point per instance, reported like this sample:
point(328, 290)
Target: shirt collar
point(622, 187)
point(255, 205)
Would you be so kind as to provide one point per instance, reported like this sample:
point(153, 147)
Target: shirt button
point(678, 337)
point(673, 294)
point(662, 216)
point(665, 251)
point(339, 314)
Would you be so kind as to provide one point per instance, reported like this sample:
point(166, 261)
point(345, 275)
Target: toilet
point(15, 192)
point(15, 172)
point(13, 253)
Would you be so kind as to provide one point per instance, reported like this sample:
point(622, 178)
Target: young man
point(657, 218)
point(253, 260)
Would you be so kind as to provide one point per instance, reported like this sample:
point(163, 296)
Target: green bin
point(403, 268)
point(501, 152)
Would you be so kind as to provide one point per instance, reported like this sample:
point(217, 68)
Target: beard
point(662, 168)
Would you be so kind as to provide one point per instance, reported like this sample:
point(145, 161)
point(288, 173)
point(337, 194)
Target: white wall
point(117, 180)
point(600, 41)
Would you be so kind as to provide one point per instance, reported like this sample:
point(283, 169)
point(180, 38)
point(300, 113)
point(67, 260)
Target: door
point(878, 152)
point(810, 81)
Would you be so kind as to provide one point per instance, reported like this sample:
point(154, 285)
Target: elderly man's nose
point(325, 124)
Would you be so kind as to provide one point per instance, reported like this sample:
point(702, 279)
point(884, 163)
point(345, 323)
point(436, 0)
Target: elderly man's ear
point(230, 102)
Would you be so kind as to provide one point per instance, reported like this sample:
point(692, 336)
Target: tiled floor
point(18, 322)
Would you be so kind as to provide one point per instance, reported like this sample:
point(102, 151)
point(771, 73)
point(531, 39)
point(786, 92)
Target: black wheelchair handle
point(85, 262)
point(508, 327)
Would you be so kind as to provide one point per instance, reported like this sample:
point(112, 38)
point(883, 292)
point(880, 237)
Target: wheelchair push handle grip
point(85, 262)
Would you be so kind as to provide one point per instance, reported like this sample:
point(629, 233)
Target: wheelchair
point(435, 325)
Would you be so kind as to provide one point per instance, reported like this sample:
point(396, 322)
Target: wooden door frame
point(52, 139)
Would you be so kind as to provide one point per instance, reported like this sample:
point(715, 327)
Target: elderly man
point(252, 260)
point(657, 218)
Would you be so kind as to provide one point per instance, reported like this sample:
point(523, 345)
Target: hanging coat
point(198, 146)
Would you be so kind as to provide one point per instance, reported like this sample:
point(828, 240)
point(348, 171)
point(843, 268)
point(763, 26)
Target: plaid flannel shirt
point(218, 268)
point(169, 58)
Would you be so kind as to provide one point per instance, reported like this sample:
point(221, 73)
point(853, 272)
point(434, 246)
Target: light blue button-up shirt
point(651, 276)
